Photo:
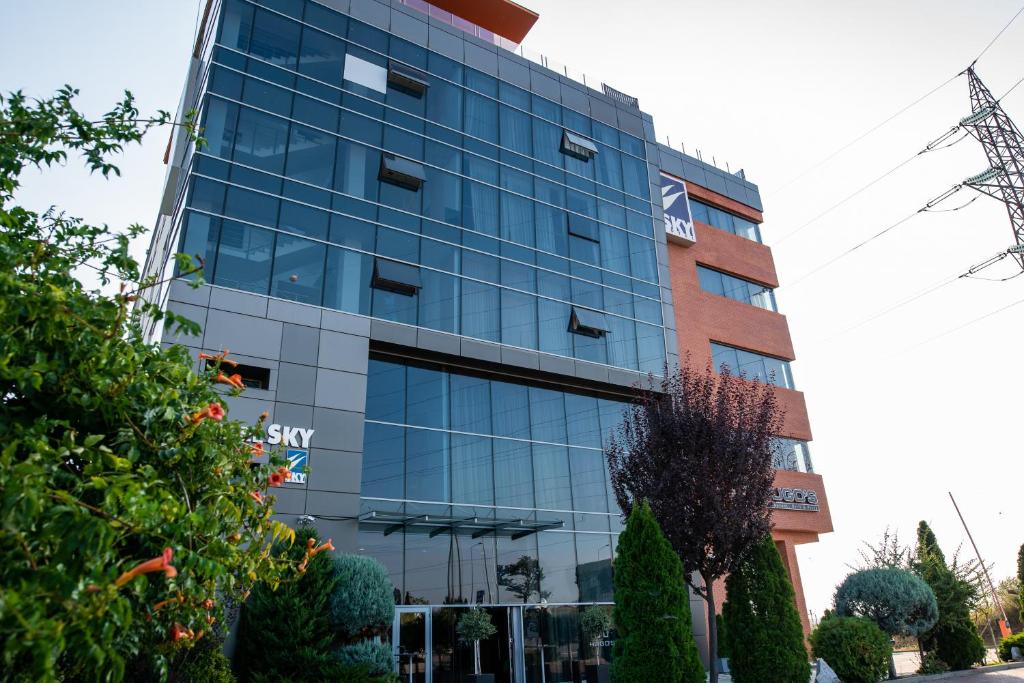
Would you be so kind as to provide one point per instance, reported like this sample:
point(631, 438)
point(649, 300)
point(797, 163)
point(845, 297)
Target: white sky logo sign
point(678, 218)
point(296, 442)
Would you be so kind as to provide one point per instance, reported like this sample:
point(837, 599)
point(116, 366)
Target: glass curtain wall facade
point(508, 232)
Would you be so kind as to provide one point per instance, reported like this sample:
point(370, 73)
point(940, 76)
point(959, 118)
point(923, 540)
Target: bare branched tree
point(699, 448)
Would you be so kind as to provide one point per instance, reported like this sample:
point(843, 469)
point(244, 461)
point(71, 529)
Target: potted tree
point(595, 622)
point(472, 627)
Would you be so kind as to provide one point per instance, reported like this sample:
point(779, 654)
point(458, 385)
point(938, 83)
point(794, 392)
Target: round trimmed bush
point(856, 649)
point(375, 658)
point(900, 603)
point(364, 600)
point(1016, 640)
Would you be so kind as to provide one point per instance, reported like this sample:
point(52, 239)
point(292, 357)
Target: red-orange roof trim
point(503, 17)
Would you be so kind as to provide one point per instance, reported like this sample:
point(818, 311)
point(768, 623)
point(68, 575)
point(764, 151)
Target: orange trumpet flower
point(162, 563)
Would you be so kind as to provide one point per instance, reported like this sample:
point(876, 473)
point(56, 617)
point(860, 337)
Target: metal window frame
point(575, 145)
point(588, 322)
point(408, 79)
point(393, 276)
point(401, 171)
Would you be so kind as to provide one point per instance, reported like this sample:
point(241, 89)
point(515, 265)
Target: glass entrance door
point(411, 640)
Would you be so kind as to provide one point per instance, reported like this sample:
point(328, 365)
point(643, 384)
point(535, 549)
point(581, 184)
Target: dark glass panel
point(426, 465)
point(513, 473)
point(471, 404)
point(275, 39)
point(347, 283)
point(298, 270)
point(385, 391)
point(472, 469)
point(439, 301)
point(510, 411)
point(261, 140)
point(480, 310)
point(518, 319)
point(427, 397)
point(383, 461)
point(244, 257)
point(551, 476)
point(557, 553)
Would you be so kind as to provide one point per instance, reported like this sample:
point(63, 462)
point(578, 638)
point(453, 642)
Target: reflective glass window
point(244, 256)
point(347, 281)
point(383, 461)
point(298, 270)
point(261, 140)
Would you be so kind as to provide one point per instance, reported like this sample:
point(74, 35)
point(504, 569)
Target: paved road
point(1012, 676)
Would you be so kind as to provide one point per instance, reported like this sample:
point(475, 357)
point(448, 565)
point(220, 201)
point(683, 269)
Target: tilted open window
point(252, 376)
point(401, 171)
point(588, 322)
point(400, 278)
point(584, 227)
point(576, 145)
point(412, 81)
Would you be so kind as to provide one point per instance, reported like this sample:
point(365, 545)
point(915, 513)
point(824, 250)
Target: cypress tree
point(954, 638)
point(766, 639)
point(1020, 576)
point(289, 630)
point(652, 608)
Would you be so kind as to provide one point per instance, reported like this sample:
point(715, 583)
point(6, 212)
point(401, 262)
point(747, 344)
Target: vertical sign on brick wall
point(678, 218)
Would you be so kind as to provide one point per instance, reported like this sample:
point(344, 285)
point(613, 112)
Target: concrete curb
point(961, 674)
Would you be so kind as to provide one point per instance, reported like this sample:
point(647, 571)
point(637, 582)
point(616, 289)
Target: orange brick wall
point(702, 318)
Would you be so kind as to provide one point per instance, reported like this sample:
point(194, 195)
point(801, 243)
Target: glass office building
point(446, 265)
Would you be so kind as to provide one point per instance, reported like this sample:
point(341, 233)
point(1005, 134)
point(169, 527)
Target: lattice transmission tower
point(1004, 146)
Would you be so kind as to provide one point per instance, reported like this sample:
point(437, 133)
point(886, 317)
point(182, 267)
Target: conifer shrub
point(363, 601)
point(765, 636)
point(1005, 645)
point(723, 634)
point(206, 663)
point(652, 608)
point(372, 656)
point(856, 649)
point(289, 629)
point(954, 638)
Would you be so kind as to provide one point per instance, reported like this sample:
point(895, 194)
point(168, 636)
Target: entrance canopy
point(470, 526)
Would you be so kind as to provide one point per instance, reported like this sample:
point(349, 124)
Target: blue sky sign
point(678, 217)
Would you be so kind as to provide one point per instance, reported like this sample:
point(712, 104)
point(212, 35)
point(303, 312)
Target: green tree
point(900, 603)
point(766, 638)
point(652, 608)
point(289, 629)
point(1020, 576)
point(856, 649)
point(129, 509)
point(954, 638)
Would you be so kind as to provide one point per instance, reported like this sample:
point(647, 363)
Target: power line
point(962, 326)
point(898, 112)
point(1001, 31)
point(863, 135)
point(914, 297)
point(942, 197)
point(930, 147)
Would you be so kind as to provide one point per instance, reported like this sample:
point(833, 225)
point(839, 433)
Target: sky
point(902, 412)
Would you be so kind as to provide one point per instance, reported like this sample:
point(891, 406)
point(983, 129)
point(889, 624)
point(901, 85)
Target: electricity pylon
point(1004, 146)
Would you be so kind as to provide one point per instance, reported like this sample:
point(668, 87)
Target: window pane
point(517, 219)
point(442, 196)
point(347, 283)
point(551, 477)
point(426, 465)
point(385, 391)
point(480, 308)
point(322, 57)
point(558, 562)
point(303, 220)
point(298, 270)
point(393, 306)
point(383, 461)
point(472, 470)
point(547, 415)
point(510, 410)
point(356, 170)
point(724, 355)
point(644, 262)
point(471, 404)
point(480, 207)
point(589, 491)
point(518, 319)
point(200, 236)
point(219, 128)
point(244, 257)
point(515, 130)
point(439, 301)
point(582, 420)
point(621, 342)
point(444, 103)
point(650, 348)
point(310, 156)
point(261, 140)
point(513, 474)
point(710, 281)
point(594, 554)
point(554, 327)
point(275, 39)
point(481, 117)
point(427, 397)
